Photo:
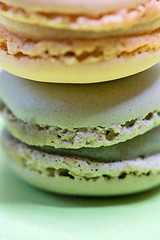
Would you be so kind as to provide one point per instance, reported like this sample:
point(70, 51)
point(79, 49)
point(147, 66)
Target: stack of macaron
point(69, 128)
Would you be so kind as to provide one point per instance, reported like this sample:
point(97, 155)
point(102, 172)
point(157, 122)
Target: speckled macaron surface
point(79, 41)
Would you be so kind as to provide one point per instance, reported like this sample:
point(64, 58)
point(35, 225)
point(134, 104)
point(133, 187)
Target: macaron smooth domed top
point(75, 106)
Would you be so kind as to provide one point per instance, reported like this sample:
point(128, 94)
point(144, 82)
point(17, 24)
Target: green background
point(28, 213)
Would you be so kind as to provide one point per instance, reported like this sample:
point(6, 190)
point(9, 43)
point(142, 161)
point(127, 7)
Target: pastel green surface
point(74, 106)
point(27, 213)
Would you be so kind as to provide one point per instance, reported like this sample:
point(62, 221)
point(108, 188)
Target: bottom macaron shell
point(49, 70)
point(78, 176)
point(99, 187)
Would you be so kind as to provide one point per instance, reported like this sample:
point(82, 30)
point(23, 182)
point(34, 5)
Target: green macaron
point(99, 139)
point(75, 116)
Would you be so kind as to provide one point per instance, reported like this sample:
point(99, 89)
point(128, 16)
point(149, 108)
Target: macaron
point(78, 41)
point(95, 140)
point(126, 168)
point(75, 116)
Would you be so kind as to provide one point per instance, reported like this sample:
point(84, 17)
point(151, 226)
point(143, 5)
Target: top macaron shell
point(75, 116)
point(76, 106)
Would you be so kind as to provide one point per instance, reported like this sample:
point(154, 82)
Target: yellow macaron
point(78, 41)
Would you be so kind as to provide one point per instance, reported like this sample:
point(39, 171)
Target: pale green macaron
point(74, 139)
